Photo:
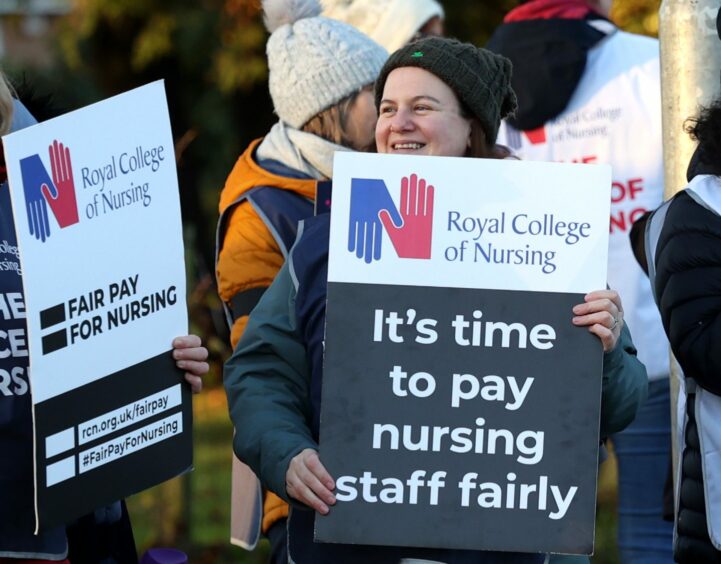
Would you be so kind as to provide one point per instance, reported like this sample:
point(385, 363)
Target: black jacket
point(688, 291)
point(688, 288)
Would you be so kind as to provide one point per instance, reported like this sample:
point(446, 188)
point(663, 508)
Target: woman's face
point(419, 114)
point(360, 121)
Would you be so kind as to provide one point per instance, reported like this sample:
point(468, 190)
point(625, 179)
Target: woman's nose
point(401, 121)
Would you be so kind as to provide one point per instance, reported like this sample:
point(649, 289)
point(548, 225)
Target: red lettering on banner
point(623, 220)
point(636, 214)
point(626, 191)
point(583, 160)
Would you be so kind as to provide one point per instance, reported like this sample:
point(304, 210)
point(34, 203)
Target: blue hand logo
point(368, 197)
point(35, 178)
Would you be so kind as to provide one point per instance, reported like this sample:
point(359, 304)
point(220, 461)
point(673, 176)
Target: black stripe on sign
point(52, 316)
point(55, 341)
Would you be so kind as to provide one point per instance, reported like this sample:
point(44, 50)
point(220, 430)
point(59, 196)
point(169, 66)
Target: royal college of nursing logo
point(42, 191)
point(372, 211)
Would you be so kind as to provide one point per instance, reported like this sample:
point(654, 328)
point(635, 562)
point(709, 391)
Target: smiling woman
point(436, 97)
point(430, 123)
point(442, 97)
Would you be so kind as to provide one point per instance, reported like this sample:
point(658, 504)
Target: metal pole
point(690, 67)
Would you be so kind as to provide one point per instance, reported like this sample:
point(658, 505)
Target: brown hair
point(6, 104)
point(332, 123)
point(479, 148)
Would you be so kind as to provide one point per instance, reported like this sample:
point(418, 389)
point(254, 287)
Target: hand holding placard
point(308, 481)
point(602, 313)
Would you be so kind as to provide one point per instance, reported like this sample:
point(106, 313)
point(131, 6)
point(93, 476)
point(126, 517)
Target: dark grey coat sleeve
point(267, 382)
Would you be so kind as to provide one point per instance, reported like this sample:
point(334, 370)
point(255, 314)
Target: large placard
point(97, 214)
point(460, 403)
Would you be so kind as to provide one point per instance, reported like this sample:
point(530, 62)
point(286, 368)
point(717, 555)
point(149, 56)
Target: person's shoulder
point(687, 219)
point(635, 48)
point(650, 44)
point(624, 53)
point(22, 118)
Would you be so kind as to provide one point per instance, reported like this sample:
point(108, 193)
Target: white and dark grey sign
point(100, 242)
point(461, 406)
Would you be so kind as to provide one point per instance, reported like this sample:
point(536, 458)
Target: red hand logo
point(61, 196)
point(412, 239)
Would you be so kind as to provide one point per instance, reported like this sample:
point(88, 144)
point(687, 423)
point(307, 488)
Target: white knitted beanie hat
point(314, 62)
point(392, 23)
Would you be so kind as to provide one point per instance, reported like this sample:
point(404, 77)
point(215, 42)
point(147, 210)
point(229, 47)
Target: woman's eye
point(387, 110)
point(421, 108)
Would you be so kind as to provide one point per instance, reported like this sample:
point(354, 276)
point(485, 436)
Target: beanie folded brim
point(480, 79)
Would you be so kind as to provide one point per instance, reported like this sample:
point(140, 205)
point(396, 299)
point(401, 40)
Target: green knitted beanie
point(481, 79)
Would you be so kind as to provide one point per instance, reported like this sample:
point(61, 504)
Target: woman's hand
point(190, 355)
point(308, 481)
point(602, 313)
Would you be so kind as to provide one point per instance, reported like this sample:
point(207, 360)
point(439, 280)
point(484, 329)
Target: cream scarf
point(299, 150)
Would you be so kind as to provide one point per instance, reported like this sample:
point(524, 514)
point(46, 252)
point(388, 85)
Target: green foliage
point(217, 43)
point(637, 16)
point(154, 42)
point(475, 20)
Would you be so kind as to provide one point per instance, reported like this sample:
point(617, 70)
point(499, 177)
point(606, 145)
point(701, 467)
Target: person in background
point(391, 23)
point(321, 73)
point(590, 93)
point(273, 381)
point(106, 535)
point(682, 249)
